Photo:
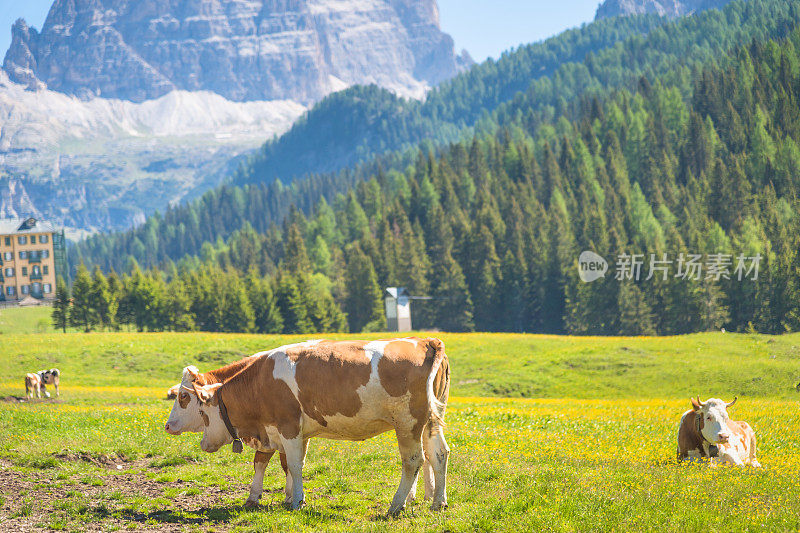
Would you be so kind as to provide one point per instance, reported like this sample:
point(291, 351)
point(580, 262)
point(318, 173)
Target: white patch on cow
point(187, 419)
point(285, 368)
point(379, 411)
point(216, 434)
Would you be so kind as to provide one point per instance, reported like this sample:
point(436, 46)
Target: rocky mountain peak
point(664, 8)
point(241, 49)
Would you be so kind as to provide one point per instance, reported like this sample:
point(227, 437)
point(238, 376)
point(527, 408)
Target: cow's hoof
point(439, 506)
point(395, 511)
point(251, 504)
point(298, 506)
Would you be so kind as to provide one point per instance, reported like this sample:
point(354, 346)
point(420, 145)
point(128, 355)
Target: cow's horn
point(733, 402)
point(698, 401)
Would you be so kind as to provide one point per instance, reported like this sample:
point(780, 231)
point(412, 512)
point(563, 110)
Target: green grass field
point(546, 433)
point(26, 320)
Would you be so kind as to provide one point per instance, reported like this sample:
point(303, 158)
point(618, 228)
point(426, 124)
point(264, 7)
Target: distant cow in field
point(346, 390)
point(185, 417)
point(706, 431)
point(51, 377)
point(36, 383)
point(33, 385)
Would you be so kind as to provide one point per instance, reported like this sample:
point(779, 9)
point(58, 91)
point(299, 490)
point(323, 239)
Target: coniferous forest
point(677, 137)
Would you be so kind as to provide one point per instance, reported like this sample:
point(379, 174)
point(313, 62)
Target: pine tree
point(83, 314)
point(103, 300)
point(364, 301)
point(292, 306)
point(453, 303)
point(61, 305)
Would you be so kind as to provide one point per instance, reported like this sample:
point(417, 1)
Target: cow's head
point(713, 419)
point(215, 432)
point(185, 414)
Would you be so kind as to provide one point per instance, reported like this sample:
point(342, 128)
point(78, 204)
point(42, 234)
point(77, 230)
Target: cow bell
point(237, 446)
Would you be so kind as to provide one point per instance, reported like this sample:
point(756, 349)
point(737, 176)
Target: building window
point(45, 270)
point(42, 239)
point(36, 288)
point(25, 289)
point(8, 241)
point(47, 288)
point(22, 239)
point(24, 271)
point(11, 290)
point(45, 254)
point(23, 255)
point(9, 272)
point(8, 256)
point(35, 270)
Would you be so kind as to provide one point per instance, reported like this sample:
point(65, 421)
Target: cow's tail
point(435, 403)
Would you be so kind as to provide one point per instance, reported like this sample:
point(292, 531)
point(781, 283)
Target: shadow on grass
point(219, 514)
point(200, 516)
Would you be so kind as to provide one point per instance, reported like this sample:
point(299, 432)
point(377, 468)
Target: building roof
point(9, 226)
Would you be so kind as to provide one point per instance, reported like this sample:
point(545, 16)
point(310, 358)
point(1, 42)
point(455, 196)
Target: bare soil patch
point(31, 501)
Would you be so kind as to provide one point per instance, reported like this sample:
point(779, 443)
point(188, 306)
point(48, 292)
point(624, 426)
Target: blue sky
point(485, 28)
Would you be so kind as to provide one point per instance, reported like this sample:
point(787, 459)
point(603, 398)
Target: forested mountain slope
point(493, 227)
point(351, 125)
point(670, 53)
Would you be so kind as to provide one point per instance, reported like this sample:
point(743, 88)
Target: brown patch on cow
point(689, 438)
point(263, 457)
point(328, 377)
point(254, 399)
point(184, 399)
point(204, 416)
point(404, 369)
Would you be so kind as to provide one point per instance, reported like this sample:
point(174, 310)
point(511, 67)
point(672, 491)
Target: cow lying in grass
point(706, 431)
point(346, 390)
point(36, 383)
point(185, 417)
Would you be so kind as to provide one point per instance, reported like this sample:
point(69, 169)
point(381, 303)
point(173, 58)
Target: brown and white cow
point(706, 431)
point(33, 385)
point(185, 417)
point(346, 390)
point(51, 377)
point(36, 383)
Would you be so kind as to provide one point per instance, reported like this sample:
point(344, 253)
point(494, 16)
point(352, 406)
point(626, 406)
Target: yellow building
point(30, 251)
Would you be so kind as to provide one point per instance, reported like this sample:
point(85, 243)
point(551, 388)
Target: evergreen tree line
point(531, 86)
point(492, 227)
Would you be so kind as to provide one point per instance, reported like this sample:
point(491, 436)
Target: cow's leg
point(411, 456)
point(295, 457)
point(753, 460)
point(260, 461)
point(56, 386)
point(438, 452)
point(287, 489)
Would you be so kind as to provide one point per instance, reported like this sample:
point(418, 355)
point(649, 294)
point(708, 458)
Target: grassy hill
point(593, 450)
point(485, 364)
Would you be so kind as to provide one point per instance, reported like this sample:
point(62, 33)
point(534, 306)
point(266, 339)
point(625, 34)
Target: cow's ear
point(205, 393)
point(695, 403)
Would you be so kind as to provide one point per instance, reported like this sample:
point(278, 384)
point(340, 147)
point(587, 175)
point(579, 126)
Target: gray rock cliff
point(241, 49)
point(664, 8)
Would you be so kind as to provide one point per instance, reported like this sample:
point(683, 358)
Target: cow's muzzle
point(170, 430)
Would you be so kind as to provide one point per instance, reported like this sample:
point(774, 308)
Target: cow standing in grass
point(33, 385)
point(50, 377)
point(706, 431)
point(347, 390)
point(185, 417)
point(36, 383)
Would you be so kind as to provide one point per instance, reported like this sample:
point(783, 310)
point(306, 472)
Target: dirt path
point(34, 502)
